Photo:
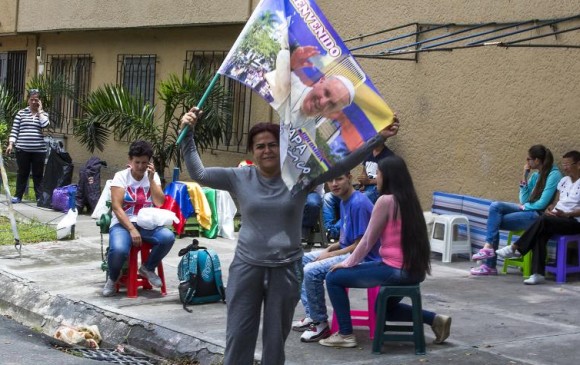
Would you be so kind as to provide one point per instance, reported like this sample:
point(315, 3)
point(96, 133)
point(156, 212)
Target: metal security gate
point(13, 72)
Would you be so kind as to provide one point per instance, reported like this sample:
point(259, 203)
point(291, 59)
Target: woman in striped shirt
point(27, 139)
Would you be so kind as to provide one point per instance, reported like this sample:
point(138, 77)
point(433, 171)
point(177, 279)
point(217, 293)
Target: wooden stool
point(361, 317)
point(132, 280)
point(382, 329)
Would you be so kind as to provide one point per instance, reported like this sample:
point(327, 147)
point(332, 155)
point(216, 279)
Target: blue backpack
point(200, 276)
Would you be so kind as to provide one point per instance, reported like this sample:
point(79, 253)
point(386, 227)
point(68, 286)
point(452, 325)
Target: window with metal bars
point(74, 70)
point(235, 135)
point(136, 73)
point(13, 72)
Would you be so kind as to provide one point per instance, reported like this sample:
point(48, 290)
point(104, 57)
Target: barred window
point(136, 73)
point(13, 72)
point(74, 70)
point(235, 135)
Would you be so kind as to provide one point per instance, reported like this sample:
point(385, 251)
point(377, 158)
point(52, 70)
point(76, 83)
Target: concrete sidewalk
point(496, 320)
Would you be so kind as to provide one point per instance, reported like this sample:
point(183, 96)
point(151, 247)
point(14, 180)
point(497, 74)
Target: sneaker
point(441, 328)
point(316, 332)
point(483, 254)
point(16, 200)
point(506, 253)
point(483, 270)
point(302, 325)
point(535, 279)
point(109, 290)
point(338, 340)
point(153, 279)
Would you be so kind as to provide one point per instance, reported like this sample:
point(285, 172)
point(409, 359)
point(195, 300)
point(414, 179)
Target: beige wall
point(170, 46)
point(44, 15)
point(469, 116)
point(8, 16)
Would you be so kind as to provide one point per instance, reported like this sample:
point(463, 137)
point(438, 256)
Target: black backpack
point(89, 187)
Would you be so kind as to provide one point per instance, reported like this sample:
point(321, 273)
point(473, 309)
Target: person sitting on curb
point(397, 221)
point(134, 188)
point(562, 218)
point(536, 192)
point(355, 209)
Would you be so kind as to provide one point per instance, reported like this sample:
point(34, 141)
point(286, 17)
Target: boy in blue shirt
point(355, 213)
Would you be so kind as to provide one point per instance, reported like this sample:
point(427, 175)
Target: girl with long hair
point(537, 190)
point(398, 221)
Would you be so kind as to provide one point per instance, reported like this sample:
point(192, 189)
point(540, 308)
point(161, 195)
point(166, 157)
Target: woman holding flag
point(267, 267)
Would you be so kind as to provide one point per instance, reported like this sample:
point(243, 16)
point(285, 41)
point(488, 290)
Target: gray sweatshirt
point(271, 215)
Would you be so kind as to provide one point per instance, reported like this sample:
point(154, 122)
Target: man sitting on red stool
point(134, 188)
point(562, 218)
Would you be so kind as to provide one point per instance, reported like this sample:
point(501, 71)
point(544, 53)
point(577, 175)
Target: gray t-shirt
point(271, 215)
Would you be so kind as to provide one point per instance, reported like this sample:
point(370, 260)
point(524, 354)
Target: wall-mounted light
point(39, 54)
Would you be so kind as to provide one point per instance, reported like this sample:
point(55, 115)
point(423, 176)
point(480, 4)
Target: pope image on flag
point(292, 57)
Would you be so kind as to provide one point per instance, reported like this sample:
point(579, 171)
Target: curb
point(39, 309)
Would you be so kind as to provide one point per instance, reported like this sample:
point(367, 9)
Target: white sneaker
point(506, 253)
point(109, 290)
point(316, 332)
point(302, 325)
point(338, 340)
point(535, 279)
point(153, 279)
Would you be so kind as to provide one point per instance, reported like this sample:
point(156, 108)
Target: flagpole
point(199, 105)
point(4, 181)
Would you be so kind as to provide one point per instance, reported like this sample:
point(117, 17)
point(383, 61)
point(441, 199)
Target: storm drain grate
point(109, 355)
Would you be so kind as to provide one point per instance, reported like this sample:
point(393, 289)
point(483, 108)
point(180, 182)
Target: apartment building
point(469, 111)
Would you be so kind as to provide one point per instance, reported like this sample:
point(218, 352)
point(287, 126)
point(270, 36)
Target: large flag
point(292, 57)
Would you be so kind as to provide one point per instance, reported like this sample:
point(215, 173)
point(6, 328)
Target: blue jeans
point(506, 216)
point(371, 192)
point(312, 295)
point(331, 215)
point(311, 210)
point(368, 275)
point(120, 245)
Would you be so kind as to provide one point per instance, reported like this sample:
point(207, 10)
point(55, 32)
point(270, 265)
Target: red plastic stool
point(132, 280)
point(362, 317)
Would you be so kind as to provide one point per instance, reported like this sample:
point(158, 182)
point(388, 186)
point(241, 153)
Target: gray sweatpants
point(248, 286)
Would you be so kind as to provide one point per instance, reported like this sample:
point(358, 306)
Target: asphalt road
point(20, 345)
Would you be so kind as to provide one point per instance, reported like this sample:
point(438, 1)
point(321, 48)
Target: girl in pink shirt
point(397, 219)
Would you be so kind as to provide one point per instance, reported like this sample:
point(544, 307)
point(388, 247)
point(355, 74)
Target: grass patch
point(28, 193)
point(32, 232)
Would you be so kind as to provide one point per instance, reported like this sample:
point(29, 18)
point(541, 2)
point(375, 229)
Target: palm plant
point(8, 108)
point(51, 88)
point(113, 108)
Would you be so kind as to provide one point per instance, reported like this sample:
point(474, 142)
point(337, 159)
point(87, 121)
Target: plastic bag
point(63, 228)
point(151, 218)
point(88, 336)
